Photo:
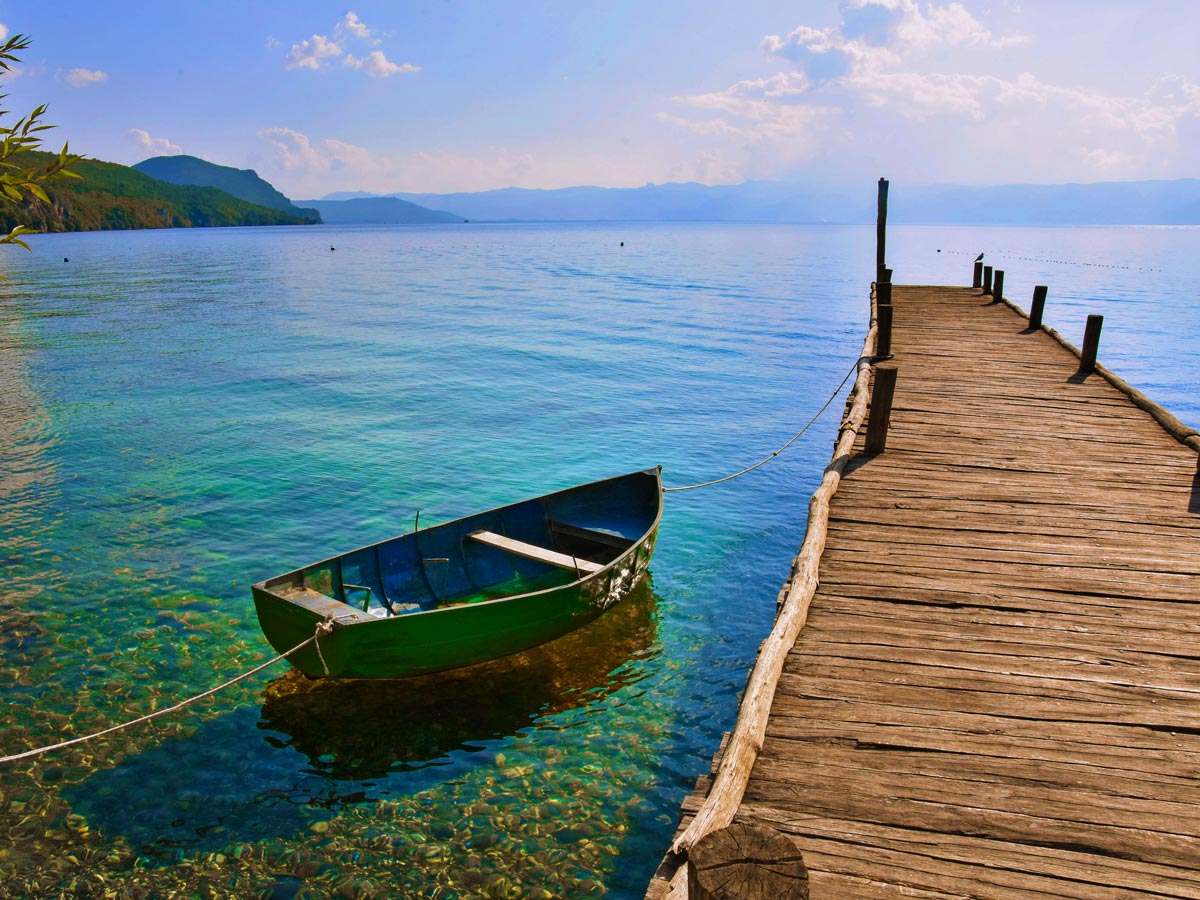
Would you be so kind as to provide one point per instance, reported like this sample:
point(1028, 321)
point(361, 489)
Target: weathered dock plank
point(997, 690)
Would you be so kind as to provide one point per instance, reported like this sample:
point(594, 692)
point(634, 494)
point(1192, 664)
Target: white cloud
point(310, 54)
point(317, 50)
point(1102, 160)
point(155, 146)
point(709, 167)
point(770, 119)
point(3, 32)
point(899, 79)
point(273, 42)
point(711, 127)
point(378, 66)
point(951, 25)
point(879, 34)
point(353, 25)
point(921, 96)
point(293, 151)
point(311, 168)
point(753, 111)
point(747, 95)
point(81, 78)
point(349, 156)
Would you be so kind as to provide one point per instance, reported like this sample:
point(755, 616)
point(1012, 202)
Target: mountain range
point(1175, 202)
point(185, 191)
point(752, 201)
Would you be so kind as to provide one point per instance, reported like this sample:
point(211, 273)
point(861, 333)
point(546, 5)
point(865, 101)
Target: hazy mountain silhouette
point(1105, 203)
point(378, 211)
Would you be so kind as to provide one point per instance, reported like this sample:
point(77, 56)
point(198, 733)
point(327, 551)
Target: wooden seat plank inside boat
point(323, 605)
point(532, 551)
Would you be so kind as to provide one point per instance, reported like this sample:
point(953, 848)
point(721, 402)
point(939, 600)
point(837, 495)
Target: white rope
point(792, 440)
point(316, 639)
point(324, 627)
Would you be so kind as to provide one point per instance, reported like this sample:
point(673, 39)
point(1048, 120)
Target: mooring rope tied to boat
point(795, 437)
point(323, 627)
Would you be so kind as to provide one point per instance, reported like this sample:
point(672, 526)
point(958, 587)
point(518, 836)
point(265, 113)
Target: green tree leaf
point(17, 184)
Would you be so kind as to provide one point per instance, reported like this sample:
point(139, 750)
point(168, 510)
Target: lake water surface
point(187, 412)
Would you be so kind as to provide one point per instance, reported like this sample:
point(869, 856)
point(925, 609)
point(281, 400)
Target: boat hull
point(450, 636)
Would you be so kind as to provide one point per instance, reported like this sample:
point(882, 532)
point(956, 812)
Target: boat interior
point(519, 549)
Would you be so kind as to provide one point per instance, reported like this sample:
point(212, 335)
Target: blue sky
point(443, 95)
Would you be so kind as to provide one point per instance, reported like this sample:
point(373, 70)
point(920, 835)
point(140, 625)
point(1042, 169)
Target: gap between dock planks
point(997, 694)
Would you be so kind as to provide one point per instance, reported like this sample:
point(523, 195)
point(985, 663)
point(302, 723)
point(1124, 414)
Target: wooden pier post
point(1091, 344)
point(881, 232)
point(998, 286)
point(1038, 307)
point(987, 279)
point(883, 288)
point(977, 275)
point(883, 335)
point(882, 392)
point(746, 862)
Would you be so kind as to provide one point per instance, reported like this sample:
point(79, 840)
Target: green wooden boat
point(474, 589)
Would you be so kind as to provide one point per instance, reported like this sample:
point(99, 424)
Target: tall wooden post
point(880, 417)
point(1038, 307)
point(987, 279)
point(977, 275)
point(1091, 344)
point(881, 231)
point(883, 334)
point(883, 293)
point(998, 286)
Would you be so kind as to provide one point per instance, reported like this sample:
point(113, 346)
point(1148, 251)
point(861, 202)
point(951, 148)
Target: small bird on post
point(979, 257)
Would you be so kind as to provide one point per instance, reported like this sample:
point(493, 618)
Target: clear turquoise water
point(186, 412)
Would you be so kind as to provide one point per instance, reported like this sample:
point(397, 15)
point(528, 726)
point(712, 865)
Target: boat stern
point(289, 613)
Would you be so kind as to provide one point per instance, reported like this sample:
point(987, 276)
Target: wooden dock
point(997, 690)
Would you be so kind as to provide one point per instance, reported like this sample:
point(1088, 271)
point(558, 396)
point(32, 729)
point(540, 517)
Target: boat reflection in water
point(353, 730)
point(328, 745)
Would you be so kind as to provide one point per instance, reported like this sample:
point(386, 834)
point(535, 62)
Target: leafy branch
point(18, 182)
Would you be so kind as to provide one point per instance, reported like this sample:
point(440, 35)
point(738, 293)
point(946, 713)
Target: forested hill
point(111, 196)
point(242, 183)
